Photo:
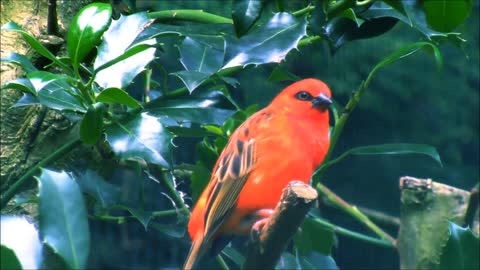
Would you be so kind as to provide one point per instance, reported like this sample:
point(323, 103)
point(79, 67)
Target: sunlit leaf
point(86, 30)
point(144, 137)
point(36, 45)
point(118, 96)
point(41, 78)
point(269, 43)
point(20, 60)
point(245, 13)
point(201, 107)
point(462, 249)
point(116, 44)
point(91, 127)
point(59, 95)
point(63, 218)
point(21, 84)
point(20, 244)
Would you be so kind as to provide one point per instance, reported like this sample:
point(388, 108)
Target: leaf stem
point(194, 15)
point(221, 262)
point(303, 11)
point(123, 219)
point(355, 235)
point(60, 152)
point(174, 193)
point(353, 211)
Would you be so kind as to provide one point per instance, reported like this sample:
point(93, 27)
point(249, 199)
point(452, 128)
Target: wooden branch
point(269, 243)
point(426, 208)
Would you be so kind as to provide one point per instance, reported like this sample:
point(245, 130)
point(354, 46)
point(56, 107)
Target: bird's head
point(306, 98)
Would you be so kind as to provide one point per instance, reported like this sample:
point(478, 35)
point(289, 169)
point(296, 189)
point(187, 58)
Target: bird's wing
point(230, 174)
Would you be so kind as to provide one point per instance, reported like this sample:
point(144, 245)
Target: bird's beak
point(321, 101)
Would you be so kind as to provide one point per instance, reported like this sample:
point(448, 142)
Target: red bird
point(285, 141)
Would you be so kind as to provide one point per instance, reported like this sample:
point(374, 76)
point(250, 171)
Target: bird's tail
point(195, 253)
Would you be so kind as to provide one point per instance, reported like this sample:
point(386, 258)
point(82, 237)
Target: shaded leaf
point(144, 137)
point(234, 255)
point(461, 250)
point(315, 260)
point(280, 74)
point(397, 149)
point(210, 107)
point(340, 30)
point(269, 43)
point(105, 193)
point(19, 59)
point(142, 216)
point(244, 14)
point(191, 79)
point(26, 100)
point(323, 241)
point(119, 96)
point(35, 44)
point(115, 46)
point(446, 15)
point(199, 180)
point(91, 127)
point(63, 218)
point(86, 30)
point(287, 261)
point(21, 246)
point(176, 231)
point(9, 259)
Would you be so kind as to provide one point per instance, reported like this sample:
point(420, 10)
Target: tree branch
point(272, 239)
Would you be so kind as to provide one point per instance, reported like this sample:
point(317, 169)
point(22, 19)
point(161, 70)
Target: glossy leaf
point(340, 30)
point(86, 30)
point(141, 137)
point(91, 127)
point(234, 255)
point(245, 13)
point(118, 96)
point(269, 43)
point(9, 259)
point(63, 218)
point(446, 15)
point(322, 242)
point(202, 108)
point(26, 100)
point(461, 250)
point(59, 95)
point(20, 244)
point(201, 56)
point(40, 79)
point(287, 261)
point(21, 84)
point(115, 48)
point(19, 59)
point(35, 44)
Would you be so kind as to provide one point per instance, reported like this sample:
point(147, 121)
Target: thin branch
point(353, 211)
point(269, 243)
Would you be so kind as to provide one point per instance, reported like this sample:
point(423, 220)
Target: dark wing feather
point(231, 173)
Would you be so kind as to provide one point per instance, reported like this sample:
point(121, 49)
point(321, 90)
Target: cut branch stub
point(266, 249)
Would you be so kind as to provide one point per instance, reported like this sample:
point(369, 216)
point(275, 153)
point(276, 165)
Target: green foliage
point(63, 218)
point(9, 259)
point(141, 124)
point(461, 250)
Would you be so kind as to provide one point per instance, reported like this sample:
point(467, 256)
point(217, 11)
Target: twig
point(266, 248)
point(380, 217)
point(353, 211)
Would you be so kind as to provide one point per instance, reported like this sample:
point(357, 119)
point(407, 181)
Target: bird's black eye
point(304, 95)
